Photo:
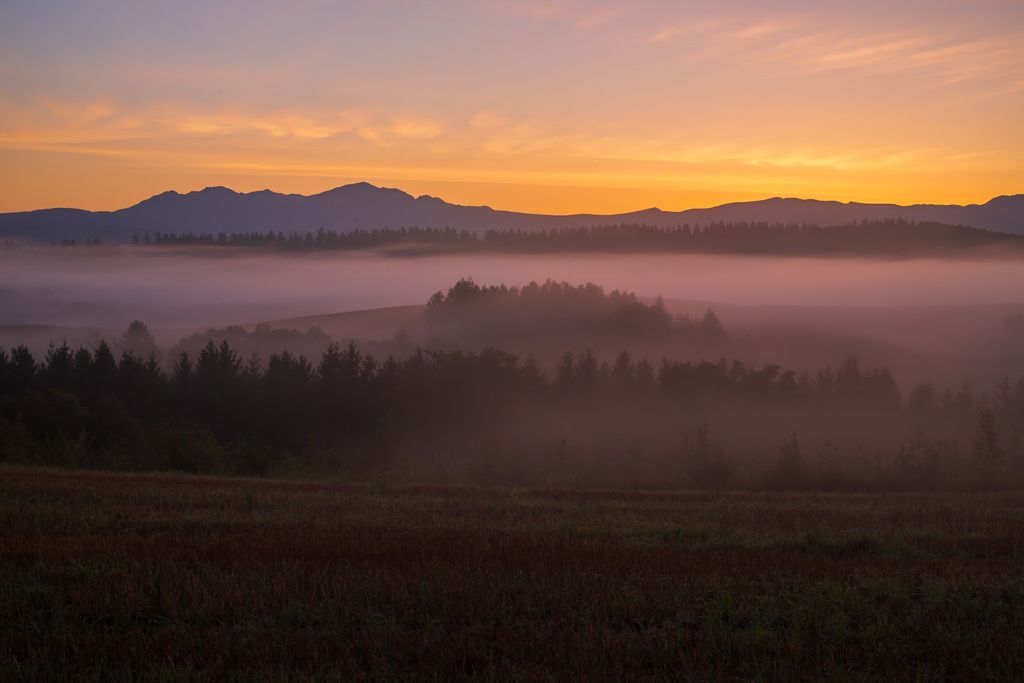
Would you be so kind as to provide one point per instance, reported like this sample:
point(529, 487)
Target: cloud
point(997, 57)
point(490, 138)
point(52, 123)
point(857, 54)
point(942, 59)
point(488, 120)
point(414, 126)
point(808, 43)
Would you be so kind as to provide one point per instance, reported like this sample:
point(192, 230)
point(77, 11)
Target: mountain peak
point(352, 187)
point(363, 190)
point(1005, 199)
point(430, 199)
point(366, 206)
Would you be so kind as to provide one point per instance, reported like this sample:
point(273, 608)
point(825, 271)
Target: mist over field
point(946, 320)
point(109, 287)
point(942, 318)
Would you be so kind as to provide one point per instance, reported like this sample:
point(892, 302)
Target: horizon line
point(485, 206)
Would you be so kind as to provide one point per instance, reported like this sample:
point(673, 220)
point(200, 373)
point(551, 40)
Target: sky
point(550, 107)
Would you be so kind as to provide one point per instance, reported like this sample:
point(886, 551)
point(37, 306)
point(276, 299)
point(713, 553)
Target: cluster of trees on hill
point(492, 417)
point(500, 316)
point(890, 237)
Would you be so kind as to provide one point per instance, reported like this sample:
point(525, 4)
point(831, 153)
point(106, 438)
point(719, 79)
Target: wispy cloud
point(414, 126)
point(51, 123)
point(813, 43)
point(488, 119)
point(762, 154)
point(299, 138)
point(948, 61)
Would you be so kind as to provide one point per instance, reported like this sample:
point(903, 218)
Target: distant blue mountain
point(361, 205)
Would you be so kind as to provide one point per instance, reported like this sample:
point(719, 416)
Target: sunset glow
point(558, 107)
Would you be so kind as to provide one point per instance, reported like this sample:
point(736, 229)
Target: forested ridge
point(491, 416)
point(539, 315)
point(889, 237)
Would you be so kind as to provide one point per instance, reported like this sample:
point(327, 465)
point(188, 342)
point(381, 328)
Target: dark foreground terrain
point(112, 576)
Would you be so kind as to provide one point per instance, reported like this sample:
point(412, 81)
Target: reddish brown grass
point(128, 576)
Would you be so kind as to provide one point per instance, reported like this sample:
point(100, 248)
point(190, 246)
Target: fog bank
point(109, 287)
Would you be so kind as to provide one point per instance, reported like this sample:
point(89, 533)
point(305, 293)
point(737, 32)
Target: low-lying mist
point(786, 373)
point(109, 287)
point(943, 320)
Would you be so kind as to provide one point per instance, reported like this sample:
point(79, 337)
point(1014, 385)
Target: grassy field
point(111, 576)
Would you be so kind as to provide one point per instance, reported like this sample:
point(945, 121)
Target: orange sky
point(555, 107)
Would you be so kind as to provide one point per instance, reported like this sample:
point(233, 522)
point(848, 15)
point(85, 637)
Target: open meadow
point(127, 576)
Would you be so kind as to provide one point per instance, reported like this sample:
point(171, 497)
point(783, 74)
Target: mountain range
point(364, 206)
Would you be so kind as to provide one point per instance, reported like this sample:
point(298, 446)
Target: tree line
point(888, 237)
point(494, 417)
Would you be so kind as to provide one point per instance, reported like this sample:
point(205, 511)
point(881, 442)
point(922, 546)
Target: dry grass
point(128, 576)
